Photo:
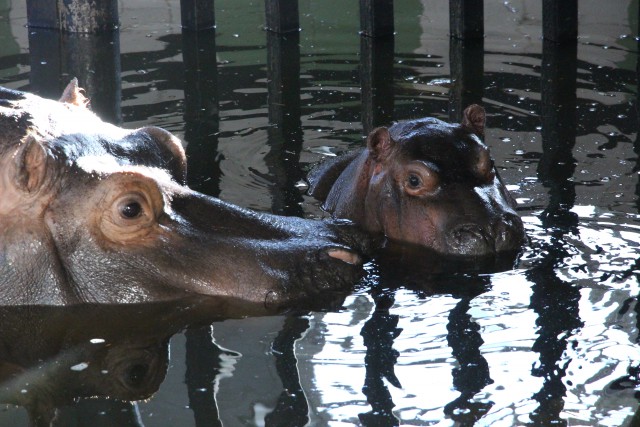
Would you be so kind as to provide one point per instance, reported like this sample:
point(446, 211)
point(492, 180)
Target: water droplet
point(80, 367)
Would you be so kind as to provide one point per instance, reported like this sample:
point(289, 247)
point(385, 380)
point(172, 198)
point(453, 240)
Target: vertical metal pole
point(467, 72)
point(43, 14)
point(560, 20)
point(282, 16)
point(376, 80)
point(201, 110)
point(88, 16)
point(94, 59)
point(376, 18)
point(466, 19)
point(197, 14)
point(74, 16)
point(285, 132)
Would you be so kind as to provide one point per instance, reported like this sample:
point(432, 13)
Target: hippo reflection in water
point(425, 182)
point(50, 361)
point(90, 212)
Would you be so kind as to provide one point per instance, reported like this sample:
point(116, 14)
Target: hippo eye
point(131, 210)
point(414, 181)
point(131, 206)
point(420, 179)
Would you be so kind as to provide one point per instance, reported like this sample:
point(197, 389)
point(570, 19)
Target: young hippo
point(425, 182)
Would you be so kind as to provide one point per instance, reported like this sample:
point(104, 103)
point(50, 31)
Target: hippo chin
point(425, 182)
point(92, 212)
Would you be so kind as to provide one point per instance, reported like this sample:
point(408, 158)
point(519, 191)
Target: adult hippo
point(90, 212)
point(425, 182)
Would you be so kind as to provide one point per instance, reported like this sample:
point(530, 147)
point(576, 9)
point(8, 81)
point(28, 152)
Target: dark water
point(552, 341)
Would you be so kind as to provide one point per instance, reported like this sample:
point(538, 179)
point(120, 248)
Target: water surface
point(551, 340)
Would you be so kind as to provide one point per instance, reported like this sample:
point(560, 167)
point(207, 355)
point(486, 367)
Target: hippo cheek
point(417, 225)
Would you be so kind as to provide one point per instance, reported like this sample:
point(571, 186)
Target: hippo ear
point(31, 165)
point(473, 119)
point(379, 143)
point(174, 159)
point(73, 95)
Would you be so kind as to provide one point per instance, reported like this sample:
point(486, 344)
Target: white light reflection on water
point(584, 363)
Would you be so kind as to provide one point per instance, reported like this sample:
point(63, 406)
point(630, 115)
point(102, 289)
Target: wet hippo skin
point(424, 182)
point(91, 212)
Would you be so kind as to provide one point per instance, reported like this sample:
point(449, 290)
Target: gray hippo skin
point(90, 212)
point(425, 182)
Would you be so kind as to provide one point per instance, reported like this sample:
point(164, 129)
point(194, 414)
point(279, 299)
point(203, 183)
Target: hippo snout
point(503, 235)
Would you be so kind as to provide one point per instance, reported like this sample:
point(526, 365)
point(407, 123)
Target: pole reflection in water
point(378, 334)
point(472, 373)
point(555, 301)
point(400, 269)
point(632, 379)
point(203, 367)
point(292, 407)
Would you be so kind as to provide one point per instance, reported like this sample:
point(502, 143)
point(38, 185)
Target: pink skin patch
point(344, 255)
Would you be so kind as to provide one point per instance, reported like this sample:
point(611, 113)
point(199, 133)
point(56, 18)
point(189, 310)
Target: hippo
point(426, 183)
point(94, 213)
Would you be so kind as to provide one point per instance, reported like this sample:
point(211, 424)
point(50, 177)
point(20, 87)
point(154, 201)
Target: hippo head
point(92, 212)
point(425, 182)
point(434, 184)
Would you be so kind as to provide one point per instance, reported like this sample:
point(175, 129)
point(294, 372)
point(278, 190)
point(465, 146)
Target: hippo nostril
point(468, 231)
point(345, 255)
point(470, 239)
